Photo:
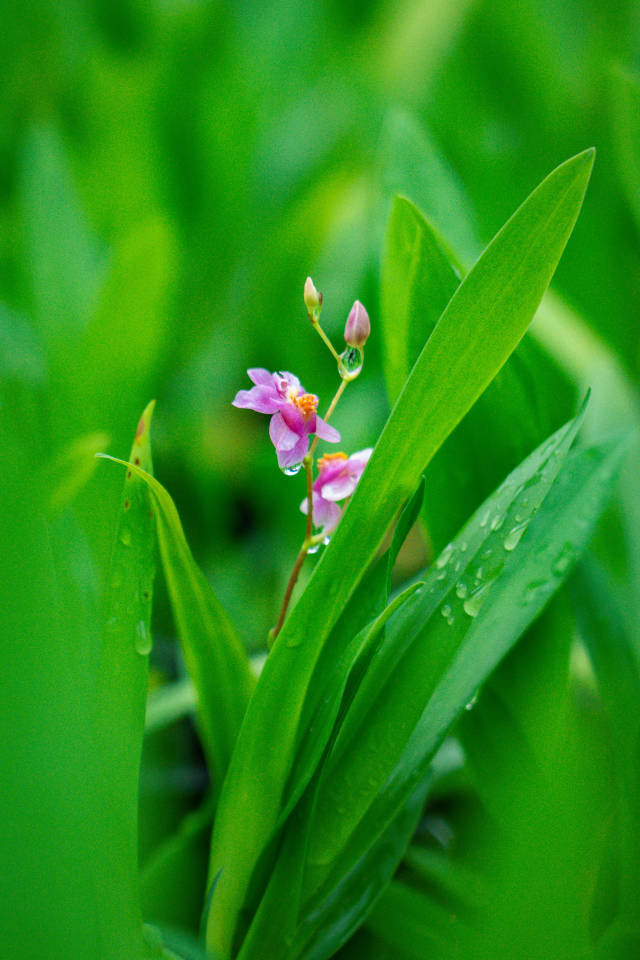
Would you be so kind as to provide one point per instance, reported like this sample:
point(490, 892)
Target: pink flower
point(337, 478)
point(294, 413)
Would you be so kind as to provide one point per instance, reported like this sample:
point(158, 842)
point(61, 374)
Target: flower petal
point(293, 419)
point(325, 432)
point(261, 376)
point(288, 458)
point(339, 488)
point(262, 399)
point(282, 437)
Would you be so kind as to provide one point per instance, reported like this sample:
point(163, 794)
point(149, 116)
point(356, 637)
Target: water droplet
point(441, 575)
point(125, 536)
point(479, 574)
point(497, 521)
point(326, 541)
point(292, 470)
point(457, 566)
point(472, 702)
point(463, 546)
point(531, 591)
point(512, 539)
point(143, 638)
point(461, 590)
point(314, 548)
point(445, 556)
point(473, 603)
point(350, 363)
point(485, 519)
point(447, 613)
point(563, 561)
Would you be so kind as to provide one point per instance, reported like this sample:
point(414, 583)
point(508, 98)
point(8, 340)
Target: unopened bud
point(312, 298)
point(358, 327)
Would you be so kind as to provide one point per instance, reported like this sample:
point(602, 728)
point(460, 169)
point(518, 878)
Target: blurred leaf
point(21, 354)
point(173, 880)
point(65, 262)
point(411, 165)
point(169, 703)
point(626, 129)
point(215, 657)
point(72, 468)
point(479, 329)
point(120, 704)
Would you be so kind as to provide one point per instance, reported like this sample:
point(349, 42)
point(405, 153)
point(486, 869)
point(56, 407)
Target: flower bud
point(358, 327)
point(312, 298)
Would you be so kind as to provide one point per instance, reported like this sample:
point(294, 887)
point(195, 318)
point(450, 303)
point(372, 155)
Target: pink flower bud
point(358, 327)
point(312, 297)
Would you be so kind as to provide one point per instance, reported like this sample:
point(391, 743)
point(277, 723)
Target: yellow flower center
point(325, 460)
point(307, 404)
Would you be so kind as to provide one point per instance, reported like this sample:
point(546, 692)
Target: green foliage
point(169, 174)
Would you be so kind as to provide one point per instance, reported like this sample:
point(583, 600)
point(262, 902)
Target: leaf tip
point(144, 423)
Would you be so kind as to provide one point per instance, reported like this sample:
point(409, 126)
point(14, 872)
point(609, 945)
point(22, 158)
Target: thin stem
point(316, 326)
point(273, 633)
point(304, 549)
point(331, 408)
point(309, 539)
point(308, 466)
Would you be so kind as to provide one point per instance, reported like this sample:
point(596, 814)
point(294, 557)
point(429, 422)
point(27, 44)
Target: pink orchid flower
point(337, 478)
point(294, 413)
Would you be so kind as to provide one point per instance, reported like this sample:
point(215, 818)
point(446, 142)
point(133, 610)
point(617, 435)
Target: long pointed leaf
point(479, 329)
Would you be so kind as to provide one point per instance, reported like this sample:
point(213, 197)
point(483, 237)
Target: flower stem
point(309, 540)
point(331, 408)
point(316, 326)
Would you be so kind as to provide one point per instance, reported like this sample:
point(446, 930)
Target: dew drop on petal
point(292, 470)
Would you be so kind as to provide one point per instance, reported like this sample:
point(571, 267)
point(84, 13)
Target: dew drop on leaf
point(473, 603)
point(125, 536)
point(563, 561)
point(143, 638)
point(514, 536)
point(445, 556)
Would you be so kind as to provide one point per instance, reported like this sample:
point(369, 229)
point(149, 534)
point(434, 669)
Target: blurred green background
point(171, 171)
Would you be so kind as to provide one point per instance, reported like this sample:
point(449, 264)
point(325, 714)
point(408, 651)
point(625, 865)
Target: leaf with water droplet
point(122, 685)
point(215, 657)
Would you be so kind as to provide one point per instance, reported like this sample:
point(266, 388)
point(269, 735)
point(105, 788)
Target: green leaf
point(526, 401)
point(418, 280)
point(121, 697)
point(452, 648)
point(214, 654)
point(479, 329)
